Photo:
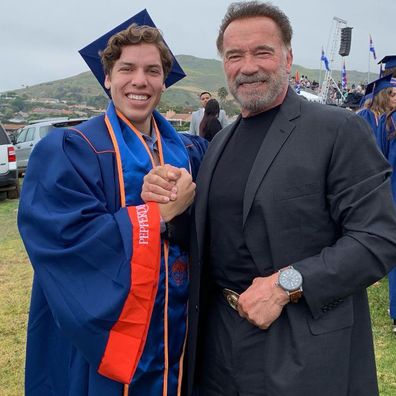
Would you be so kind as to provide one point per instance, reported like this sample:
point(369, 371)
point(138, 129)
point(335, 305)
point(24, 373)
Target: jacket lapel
point(279, 132)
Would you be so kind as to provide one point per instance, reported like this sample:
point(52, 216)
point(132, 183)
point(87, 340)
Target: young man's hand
point(171, 187)
point(160, 184)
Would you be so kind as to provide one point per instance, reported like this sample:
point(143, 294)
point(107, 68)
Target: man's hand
point(171, 187)
point(262, 303)
point(185, 197)
point(160, 184)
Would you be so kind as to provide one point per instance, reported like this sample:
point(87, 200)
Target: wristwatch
point(290, 280)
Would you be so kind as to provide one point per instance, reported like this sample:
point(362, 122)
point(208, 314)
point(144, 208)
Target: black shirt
point(231, 264)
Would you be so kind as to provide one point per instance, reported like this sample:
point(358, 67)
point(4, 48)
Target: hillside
point(202, 74)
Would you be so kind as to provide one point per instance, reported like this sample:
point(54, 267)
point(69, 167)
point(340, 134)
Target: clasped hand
point(171, 187)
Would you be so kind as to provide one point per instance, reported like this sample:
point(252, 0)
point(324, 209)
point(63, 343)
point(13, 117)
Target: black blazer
point(318, 197)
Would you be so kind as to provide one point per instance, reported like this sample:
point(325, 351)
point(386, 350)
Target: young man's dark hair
point(135, 35)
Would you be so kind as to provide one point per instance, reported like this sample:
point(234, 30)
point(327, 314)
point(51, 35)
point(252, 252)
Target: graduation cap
point(378, 85)
point(91, 56)
point(389, 61)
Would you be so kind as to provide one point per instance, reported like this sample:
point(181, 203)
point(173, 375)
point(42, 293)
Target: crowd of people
point(261, 244)
point(378, 108)
point(305, 83)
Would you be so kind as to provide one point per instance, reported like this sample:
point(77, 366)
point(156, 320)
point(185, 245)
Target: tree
point(18, 104)
point(222, 93)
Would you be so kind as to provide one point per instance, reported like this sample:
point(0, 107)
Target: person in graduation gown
point(378, 100)
point(386, 140)
point(109, 300)
point(388, 65)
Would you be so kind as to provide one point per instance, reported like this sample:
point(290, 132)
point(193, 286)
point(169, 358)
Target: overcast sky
point(39, 39)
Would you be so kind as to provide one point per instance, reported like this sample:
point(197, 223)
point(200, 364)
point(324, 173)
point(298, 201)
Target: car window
point(30, 134)
point(3, 136)
point(22, 135)
point(44, 130)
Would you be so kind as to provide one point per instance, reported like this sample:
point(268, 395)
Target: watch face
point(290, 279)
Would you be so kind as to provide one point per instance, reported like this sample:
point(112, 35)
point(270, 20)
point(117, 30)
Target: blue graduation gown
point(370, 117)
point(81, 244)
point(388, 148)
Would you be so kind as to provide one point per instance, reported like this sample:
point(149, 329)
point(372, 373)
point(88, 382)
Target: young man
point(196, 116)
point(109, 299)
point(293, 220)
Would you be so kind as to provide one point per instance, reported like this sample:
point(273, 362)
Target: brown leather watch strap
point(295, 295)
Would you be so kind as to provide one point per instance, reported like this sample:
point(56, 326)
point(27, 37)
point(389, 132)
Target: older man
point(293, 220)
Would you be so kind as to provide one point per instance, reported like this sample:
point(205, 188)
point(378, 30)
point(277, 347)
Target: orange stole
point(127, 338)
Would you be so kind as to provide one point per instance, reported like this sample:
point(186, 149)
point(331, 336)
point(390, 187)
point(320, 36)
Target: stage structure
point(334, 41)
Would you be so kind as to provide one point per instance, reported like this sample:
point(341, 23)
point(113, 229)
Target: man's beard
point(257, 99)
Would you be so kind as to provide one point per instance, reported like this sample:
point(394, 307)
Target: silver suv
point(9, 184)
point(31, 134)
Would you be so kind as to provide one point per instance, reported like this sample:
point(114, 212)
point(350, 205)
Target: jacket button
point(196, 308)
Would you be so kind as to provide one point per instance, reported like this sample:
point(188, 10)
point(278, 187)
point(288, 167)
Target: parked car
point(32, 133)
point(9, 183)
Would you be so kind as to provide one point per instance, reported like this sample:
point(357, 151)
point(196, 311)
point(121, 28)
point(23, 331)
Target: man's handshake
point(171, 187)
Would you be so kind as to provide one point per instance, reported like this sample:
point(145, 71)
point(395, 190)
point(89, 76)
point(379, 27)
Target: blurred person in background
point(378, 100)
point(196, 116)
point(210, 123)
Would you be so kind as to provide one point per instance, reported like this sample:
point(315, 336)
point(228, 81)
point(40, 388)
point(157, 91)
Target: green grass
point(385, 341)
point(15, 284)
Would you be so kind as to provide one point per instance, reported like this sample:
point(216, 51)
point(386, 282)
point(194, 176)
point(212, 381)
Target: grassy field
point(15, 283)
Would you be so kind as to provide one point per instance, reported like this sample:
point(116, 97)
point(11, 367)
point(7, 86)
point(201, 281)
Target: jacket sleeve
point(360, 203)
point(223, 118)
point(194, 127)
point(84, 254)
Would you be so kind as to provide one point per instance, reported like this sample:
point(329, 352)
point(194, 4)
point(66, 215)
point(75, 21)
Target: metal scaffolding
point(334, 41)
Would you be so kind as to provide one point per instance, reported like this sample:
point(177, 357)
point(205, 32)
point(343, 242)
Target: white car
point(9, 183)
point(32, 133)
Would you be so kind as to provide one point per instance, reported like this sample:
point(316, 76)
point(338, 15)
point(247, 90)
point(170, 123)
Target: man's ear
point(107, 82)
point(289, 60)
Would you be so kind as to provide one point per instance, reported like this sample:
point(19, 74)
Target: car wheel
point(14, 194)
